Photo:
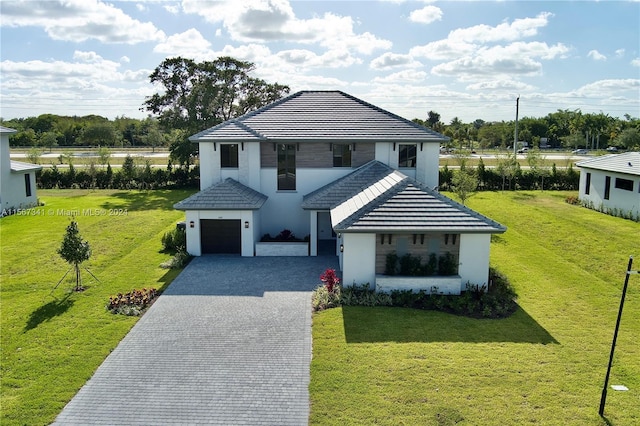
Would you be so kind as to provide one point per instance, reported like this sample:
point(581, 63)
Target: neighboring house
point(17, 180)
point(355, 180)
point(611, 183)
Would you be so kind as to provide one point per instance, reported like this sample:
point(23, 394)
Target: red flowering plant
point(330, 279)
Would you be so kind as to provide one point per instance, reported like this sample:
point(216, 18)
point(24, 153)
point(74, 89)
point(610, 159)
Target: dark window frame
point(342, 155)
point(407, 155)
point(227, 158)
point(607, 187)
point(27, 184)
point(286, 167)
point(624, 184)
point(587, 184)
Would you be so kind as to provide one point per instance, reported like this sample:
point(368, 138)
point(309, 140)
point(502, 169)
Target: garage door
point(220, 236)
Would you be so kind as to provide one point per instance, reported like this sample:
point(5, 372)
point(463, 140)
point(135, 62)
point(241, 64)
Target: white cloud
point(443, 49)
point(125, 59)
point(635, 62)
point(596, 56)
point(173, 9)
point(274, 20)
point(620, 53)
point(609, 87)
point(514, 59)
point(519, 28)
point(502, 85)
point(88, 57)
point(405, 76)
point(426, 15)
point(190, 44)
point(393, 60)
point(80, 20)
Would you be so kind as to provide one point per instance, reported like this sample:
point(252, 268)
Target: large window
point(27, 184)
point(341, 155)
point(229, 156)
point(407, 156)
point(286, 167)
point(625, 184)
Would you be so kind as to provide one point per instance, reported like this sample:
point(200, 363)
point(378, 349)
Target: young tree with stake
point(74, 251)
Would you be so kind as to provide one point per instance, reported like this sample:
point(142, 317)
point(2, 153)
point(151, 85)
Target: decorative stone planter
point(437, 284)
point(282, 249)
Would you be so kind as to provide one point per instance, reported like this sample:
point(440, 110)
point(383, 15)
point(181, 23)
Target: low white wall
point(433, 284)
point(282, 249)
point(474, 259)
point(358, 259)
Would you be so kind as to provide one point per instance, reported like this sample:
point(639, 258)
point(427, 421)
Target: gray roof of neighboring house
point(377, 198)
point(7, 130)
point(225, 195)
point(319, 116)
point(627, 163)
point(20, 167)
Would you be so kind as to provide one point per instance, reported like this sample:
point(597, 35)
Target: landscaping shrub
point(174, 240)
point(132, 303)
point(179, 260)
point(497, 300)
point(411, 266)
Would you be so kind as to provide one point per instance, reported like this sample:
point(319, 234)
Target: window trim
point(402, 162)
point(27, 184)
point(342, 149)
point(228, 146)
point(624, 184)
point(289, 164)
point(587, 184)
point(607, 187)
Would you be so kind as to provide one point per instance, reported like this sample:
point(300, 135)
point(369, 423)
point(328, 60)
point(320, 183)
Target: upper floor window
point(341, 155)
point(229, 156)
point(407, 155)
point(286, 167)
point(625, 184)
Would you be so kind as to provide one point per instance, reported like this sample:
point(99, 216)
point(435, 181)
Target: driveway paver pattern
point(227, 343)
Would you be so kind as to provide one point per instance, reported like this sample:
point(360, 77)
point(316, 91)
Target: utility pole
point(515, 133)
point(603, 398)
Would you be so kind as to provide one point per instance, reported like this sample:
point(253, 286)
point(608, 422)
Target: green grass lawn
point(543, 365)
point(52, 343)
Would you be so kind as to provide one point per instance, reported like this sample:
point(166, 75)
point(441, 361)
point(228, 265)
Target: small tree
point(464, 183)
point(74, 251)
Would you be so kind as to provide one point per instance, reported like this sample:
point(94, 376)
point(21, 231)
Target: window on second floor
point(229, 156)
point(341, 155)
point(407, 155)
point(286, 167)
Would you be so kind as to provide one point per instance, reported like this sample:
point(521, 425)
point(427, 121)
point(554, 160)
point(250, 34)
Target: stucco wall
point(358, 259)
point(628, 201)
point(474, 259)
point(194, 246)
point(427, 158)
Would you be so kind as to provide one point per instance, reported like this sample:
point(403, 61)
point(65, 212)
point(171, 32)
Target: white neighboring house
point(611, 184)
point(17, 180)
point(355, 180)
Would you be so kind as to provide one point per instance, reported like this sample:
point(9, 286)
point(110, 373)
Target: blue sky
point(466, 59)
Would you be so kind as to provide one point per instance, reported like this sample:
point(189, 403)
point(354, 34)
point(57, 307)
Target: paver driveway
point(228, 342)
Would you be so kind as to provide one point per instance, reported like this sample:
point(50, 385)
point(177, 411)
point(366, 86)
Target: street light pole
point(603, 398)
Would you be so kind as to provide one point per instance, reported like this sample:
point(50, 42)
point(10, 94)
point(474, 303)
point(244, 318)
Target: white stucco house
point(611, 184)
point(357, 181)
point(17, 179)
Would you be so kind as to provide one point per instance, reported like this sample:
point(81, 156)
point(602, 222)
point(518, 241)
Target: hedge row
point(492, 180)
point(139, 178)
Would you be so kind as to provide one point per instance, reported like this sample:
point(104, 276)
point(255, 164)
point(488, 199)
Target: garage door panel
point(220, 236)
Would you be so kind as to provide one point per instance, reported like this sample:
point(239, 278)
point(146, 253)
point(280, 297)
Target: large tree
point(197, 95)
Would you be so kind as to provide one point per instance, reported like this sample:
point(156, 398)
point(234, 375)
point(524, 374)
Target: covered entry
point(221, 236)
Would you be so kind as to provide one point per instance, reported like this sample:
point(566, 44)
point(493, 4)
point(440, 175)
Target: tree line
point(196, 95)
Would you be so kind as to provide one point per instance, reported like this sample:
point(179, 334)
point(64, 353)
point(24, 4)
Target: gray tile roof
point(225, 195)
point(18, 166)
point(627, 163)
point(319, 116)
point(355, 182)
point(7, 130)
point(377, 198)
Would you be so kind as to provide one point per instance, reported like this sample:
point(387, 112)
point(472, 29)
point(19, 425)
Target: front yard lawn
point(52, 343)
point(543, 365)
